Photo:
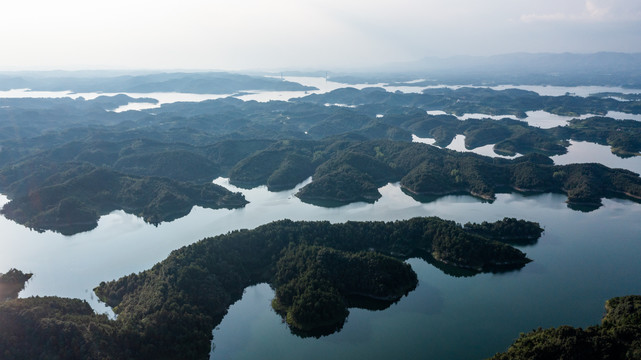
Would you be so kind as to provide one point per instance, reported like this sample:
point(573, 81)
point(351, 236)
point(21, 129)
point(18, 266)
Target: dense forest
point(617, 337)
point(316, 268)
point(66, 162)
point(81, 161)
point(508, 230)
point(78, 182)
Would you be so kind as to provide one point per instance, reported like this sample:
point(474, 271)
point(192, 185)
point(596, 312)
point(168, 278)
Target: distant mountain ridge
point(185, 82)
point(604, 62)
point(560, 69)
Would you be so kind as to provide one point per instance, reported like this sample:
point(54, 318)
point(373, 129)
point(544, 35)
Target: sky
point(301, 34)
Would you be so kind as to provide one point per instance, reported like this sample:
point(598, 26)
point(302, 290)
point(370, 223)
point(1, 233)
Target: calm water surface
point(578, 152)
point(581, 260)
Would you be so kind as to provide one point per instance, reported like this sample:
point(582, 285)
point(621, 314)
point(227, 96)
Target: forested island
point(81, 161)
point(77, 183)
point(617, 337)
point(316, 268)
point(65, 162)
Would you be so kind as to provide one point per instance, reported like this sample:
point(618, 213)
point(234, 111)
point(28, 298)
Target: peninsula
point(316, 268)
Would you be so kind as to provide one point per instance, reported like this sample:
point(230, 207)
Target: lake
point(581, 260)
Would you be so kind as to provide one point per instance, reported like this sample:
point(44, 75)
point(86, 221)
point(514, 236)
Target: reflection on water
point(485, 116)
point(325, 85)
point(587, 152)
point(458, 144)
point(546, 120)
point(581, 260)
point(577, 266)
point(623, 116)
point(578, 152)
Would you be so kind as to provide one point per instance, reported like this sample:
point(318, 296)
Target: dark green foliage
point(180, 165)
point(280, 166)
point(168, 312)
point(624, 136)
point(313, 282)
point(508, 230)
point(616, 338)
point(476, 101)
point(272, 144)
point(57, 328)
point(354, 174)
point(343, 171)
point(82, 193)
point(314, 267)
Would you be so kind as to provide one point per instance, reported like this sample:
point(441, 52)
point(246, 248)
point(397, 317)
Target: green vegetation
point(318, 270)
point(156, 165)
point(509, 136)
point(77, 183)
point(623, 136)
point(477, 101)
point(356, 172)
point(508, 230)
point(617, 337)
point(58, 328)
point(64, 163)
point(71, 198)
point(12, 283)
point(313, 284)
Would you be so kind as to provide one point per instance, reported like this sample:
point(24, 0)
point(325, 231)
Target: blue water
point(581, 260)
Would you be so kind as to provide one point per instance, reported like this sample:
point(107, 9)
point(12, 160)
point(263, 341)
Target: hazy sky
point(306, 34)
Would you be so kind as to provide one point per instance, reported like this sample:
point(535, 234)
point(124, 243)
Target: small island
point(509, 230)
point(82, 193)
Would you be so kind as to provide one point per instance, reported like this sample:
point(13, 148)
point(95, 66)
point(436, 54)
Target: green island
point(81, 193)
point(617, 337)
point(81, 161)
point(318, 270)
point(356, 173)
point(77, 183)
point(509, 136)
point(468, 100)
point(509, 230)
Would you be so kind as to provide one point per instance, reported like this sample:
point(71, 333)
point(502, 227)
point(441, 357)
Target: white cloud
point(590, 11)
point(236, 34)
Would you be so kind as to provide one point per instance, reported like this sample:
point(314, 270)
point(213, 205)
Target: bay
point(581, 260)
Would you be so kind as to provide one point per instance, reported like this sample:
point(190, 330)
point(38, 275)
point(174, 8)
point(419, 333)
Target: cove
point(581, 260)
